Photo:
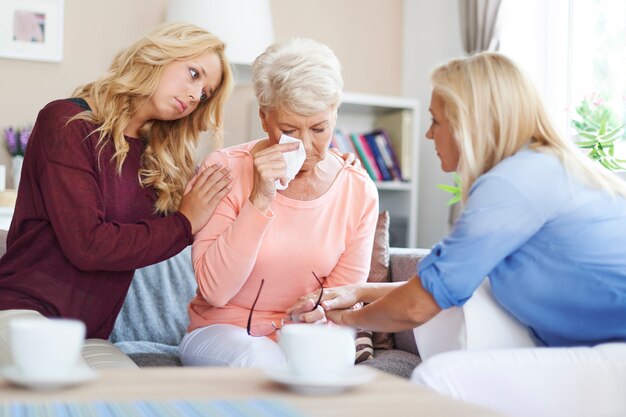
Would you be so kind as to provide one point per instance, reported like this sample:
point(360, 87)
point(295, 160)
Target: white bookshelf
point(358, 114)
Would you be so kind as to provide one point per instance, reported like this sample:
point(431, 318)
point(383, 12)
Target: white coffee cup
point(46, 348)
point(318, 352)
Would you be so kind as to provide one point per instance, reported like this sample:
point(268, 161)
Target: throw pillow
point(379, 266)
point(379, 271)
point(155, 309)
point(367, 341)
point(364, 347)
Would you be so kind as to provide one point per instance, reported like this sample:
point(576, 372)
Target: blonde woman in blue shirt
point(544, 223)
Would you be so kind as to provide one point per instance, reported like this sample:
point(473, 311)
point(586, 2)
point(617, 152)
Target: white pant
point(97, 353)
point(481, 354)
point(533, 382)
point(228, 345)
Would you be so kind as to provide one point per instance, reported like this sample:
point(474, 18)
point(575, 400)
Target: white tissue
point(293, 159)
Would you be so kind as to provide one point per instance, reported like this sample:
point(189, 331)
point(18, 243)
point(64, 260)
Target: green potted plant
point(600, 132)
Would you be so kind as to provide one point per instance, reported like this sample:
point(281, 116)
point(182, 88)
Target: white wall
point(94, 31)
point(365, 34)
point(378, 55)
point(431, 37)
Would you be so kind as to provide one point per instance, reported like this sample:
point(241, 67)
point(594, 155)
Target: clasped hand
point(334, 304)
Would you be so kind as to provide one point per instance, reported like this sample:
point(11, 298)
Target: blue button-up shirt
point(554, 250)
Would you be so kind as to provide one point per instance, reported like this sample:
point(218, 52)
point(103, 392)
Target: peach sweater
point(331, 235)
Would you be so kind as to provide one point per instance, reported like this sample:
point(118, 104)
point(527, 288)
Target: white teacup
point(316, 351)
point(46, 348)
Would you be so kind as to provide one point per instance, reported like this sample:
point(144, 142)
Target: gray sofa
point(154, 316)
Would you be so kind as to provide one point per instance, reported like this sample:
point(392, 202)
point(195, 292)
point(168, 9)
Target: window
point(598, 64)
point(572, 50)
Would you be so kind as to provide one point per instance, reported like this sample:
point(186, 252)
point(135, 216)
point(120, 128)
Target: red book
point(370, 157)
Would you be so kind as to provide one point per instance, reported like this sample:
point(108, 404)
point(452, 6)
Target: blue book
point(380, 161)
point(386, 149)
point(356, 140)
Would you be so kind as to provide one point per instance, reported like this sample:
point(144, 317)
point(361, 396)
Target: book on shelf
point(343, 142)
point(399, 128)
point(363, 155)
point(374, 149)
point(369, 154)
point(378, 157)
point(386, 149)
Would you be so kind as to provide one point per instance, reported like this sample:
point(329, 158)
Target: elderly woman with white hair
point(297, 217)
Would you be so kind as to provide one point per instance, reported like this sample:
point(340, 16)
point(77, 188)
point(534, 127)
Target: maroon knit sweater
point(79, 229)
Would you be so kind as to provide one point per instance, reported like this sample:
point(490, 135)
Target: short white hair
point(300, 75)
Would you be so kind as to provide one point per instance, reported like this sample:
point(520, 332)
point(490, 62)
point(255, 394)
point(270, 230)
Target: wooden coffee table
point(386, 396)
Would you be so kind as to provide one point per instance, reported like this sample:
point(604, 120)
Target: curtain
point(479, 25)
point(479, 32)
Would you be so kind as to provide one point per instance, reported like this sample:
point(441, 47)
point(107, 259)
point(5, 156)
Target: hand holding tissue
point(293, 160)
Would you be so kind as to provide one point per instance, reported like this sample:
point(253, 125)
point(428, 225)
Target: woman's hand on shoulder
point(208, 189)
point(349, 157)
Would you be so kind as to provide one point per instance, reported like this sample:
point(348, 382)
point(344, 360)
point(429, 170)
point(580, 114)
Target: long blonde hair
point(168, 160)
point(494, 110)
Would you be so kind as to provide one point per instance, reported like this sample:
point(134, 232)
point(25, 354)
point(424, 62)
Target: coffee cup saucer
point(352, 377)
point(78, 375)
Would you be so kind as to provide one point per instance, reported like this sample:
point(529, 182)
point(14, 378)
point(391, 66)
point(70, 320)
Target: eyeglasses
point(267, 328)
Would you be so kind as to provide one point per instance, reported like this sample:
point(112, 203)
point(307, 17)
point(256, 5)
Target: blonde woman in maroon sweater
point(101, 191)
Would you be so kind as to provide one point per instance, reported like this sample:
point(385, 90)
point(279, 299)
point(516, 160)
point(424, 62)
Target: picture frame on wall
point(31, 30)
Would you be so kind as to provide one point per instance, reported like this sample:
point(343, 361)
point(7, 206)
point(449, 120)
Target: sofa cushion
point(403, 266)
point(135, 347)
point(394, 361)
point(155, 359)
point(155, 309)
point(150, 353)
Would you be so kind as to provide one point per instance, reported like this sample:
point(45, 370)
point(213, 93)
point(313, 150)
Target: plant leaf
point(454, 199)
point(587, 135)
point(448, 188)
point(611, 134)
point(602, 129)
point(586, 144)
